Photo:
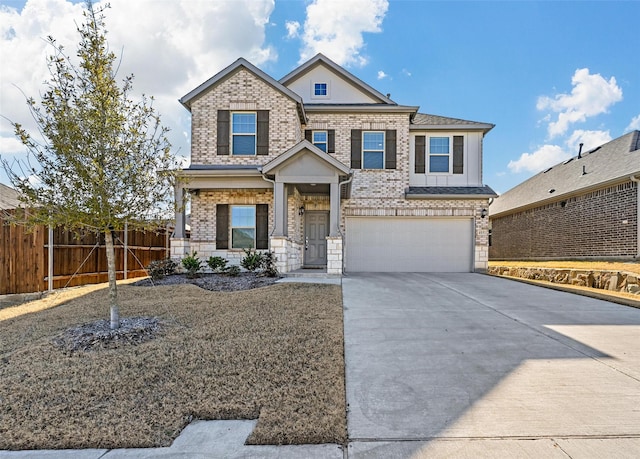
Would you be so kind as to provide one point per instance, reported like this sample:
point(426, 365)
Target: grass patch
point(274, 353)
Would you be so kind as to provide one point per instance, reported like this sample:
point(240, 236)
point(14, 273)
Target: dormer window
point(320, 90)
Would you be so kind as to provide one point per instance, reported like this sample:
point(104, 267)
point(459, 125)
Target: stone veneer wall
point(601, 223)
point(615, 281)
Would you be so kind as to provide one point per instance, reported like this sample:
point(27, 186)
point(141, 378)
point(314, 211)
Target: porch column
point(179, 196)
point(280, 209)
point(334, 213)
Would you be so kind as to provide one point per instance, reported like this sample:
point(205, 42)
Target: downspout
point(339, 230)
point(636, 178)
point(273, 182)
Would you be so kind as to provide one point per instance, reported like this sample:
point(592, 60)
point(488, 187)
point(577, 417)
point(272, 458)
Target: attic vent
point(552, 190)
point(547, 170)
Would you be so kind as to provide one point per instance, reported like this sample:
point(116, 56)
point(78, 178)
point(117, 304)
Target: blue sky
point(548, 74)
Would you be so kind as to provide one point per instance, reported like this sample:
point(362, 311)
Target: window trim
point(232, 227)
point(327, 87)
point(449, 155)
point(244, 134)
point(384, 149)
point(326, 139)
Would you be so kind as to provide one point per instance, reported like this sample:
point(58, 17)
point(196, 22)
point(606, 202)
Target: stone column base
point(334, 255)
point(179, 248)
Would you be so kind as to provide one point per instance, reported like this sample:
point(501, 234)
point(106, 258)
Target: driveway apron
point(445, 357)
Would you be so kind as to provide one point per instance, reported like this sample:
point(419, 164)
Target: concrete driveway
point(467, 365)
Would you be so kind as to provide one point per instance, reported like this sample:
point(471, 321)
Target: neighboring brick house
point(585, 207)
point(327, 172)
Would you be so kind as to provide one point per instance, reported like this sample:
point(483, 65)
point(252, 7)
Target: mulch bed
point(214, 282)
point(183, 353)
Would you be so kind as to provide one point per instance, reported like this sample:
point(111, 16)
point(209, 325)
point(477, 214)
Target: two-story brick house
point(327, 172)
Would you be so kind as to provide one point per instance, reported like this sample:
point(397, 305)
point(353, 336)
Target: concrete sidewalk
point(466, 365)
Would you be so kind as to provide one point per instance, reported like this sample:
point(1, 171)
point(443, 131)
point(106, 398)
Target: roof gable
point(9, 198)
point(608, 164)
point(321, 67)
point(227, 72)
point(305, 148)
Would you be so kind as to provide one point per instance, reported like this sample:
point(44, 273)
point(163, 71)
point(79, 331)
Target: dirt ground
point(273, 353)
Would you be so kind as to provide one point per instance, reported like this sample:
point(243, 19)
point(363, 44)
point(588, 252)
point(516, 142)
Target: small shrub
point(232, 270)
point(217, 264)
point(252, 260)
point(160, 268)
point(192, 264)
point(269, 265)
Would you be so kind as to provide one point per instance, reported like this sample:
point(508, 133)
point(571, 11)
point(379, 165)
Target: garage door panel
point(384, 244)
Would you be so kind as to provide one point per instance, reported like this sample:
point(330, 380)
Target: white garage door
point(392, 244)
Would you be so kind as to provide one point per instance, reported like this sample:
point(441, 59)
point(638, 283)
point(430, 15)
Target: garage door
point(391, 244)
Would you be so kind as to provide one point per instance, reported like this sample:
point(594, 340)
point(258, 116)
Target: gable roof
point(611, 163)
point(426, 121)
point(302, 146)
point(231, 69)
point(8, 197)
point(320, 59)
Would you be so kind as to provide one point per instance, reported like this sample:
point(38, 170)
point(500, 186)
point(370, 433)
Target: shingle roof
point(444, 191)
point(8, 197)
point(611, 163)
point(426, 121)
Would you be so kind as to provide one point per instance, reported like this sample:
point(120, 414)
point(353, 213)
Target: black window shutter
point(458, 154)
point(420, 150)
point(308, 135)
point(331, 141)
point(262, 142)
point(222, 226)
point(223, 132)
point(262, 226)
point(356, 149)
point(390, 149)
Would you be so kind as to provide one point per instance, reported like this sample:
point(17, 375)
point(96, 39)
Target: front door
point(316, 230)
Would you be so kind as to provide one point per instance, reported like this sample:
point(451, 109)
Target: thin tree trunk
point(113, 290)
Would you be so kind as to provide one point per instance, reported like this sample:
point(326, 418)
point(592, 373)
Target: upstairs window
point(320, 89)
point(439, 154)
point(320, 140)
point(373, 150)
point(243, 133)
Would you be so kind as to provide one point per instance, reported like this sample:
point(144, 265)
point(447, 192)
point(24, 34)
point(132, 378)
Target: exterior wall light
point(301, 210)
point(483, 213)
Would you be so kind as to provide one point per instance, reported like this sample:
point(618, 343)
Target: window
point(243, 129)
point(243, 227)
point(320, 89)
point(373, 150)
point(438, 154)
point(320, 140)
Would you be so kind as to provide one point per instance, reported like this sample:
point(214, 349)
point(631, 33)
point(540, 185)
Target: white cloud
point(382, 75)
point(590, 139)
point(292, 28)
point(591, 95)
point(335, 28)
point(405, 72)
point(544, 157)
point(634, 124)
point(170, 49)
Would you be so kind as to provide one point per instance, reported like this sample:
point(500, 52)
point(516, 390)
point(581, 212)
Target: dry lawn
point(274, 353)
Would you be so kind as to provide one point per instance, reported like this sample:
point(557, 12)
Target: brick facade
point(599, 224)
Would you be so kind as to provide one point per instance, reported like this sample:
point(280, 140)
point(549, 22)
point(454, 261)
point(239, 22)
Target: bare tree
point(103, 159)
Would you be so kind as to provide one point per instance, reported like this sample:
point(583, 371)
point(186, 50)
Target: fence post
point(126, 247)
point(50, 267)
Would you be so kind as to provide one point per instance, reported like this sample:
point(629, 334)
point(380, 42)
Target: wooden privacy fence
point(26, 261)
